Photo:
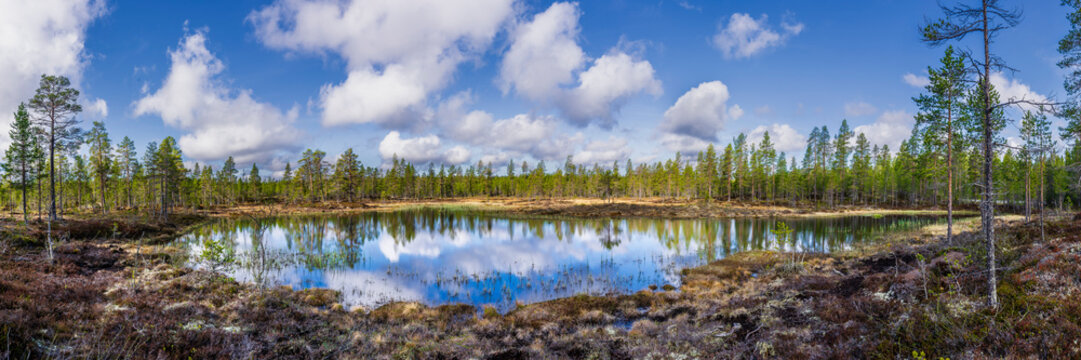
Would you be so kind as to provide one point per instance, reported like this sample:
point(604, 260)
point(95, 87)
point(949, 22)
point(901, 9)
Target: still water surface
point(439, 256)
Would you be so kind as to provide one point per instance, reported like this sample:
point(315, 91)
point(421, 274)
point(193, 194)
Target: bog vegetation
point(955, 154)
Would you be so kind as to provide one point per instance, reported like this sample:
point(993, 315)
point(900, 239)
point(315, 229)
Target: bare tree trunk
point(164, 199)
point(1042, 177)
point(102, 185)
point(949, 171)
point(26, 215)
point(40, 209)
point(987, 208)
point(52, 172)
point(61, 195)
point(1028, 193)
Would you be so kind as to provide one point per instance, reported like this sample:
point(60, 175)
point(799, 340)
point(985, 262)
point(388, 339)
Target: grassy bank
point(109, 295)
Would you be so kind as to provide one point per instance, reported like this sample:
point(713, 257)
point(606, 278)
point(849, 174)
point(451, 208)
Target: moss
point(491, 313)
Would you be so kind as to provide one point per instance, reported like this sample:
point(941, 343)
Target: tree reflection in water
point(442, 256)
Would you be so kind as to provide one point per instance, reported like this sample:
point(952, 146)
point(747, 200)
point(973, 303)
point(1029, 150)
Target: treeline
point(839, 169)
point(48, 171)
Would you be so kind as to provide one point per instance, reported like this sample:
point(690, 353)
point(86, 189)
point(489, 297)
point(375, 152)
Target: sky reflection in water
point(444, 256)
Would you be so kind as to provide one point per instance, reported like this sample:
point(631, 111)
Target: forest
point(962, 242)
point(93, 174)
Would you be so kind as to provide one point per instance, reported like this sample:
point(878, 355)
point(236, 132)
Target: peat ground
point(112, 292)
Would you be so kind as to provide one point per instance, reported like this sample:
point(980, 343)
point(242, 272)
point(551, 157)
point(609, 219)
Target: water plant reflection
point(442, 256)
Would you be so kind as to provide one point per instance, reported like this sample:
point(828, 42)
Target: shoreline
point(135, 286)
point(585, 208)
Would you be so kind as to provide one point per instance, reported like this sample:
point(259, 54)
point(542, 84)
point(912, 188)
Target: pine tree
point(22, 154)
point(286, 182)
point(127, 161)
point(170, 170)
point(227, 179)
point(346, 174)
point(54, 106)
point(939, 106)
point(255, 182)
point(100, 160)
point(987, 19)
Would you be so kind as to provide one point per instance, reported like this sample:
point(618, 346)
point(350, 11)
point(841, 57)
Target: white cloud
point(606, 85)
point(699, 113)
point(421, 150)
point(498, 160)
point(1012, 89)
point(543, 54)
point(783, 136)
point(735, 112)
point(544, 64)
point(1014, 142)
point(516, 136)
point(686, 5)
point(220, 121)
point(40, 37)
point(603, 152)
point(914, 80)
point(397, 52)
point(557, 146)
point(97, 108)
point(390, 97)
point(890, 128)
point(520, 133)
point(683, 143)
point(743, 36)
point(859, 108)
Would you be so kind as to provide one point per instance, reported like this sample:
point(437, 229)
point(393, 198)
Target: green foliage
point(21, 156)
point(217, 253)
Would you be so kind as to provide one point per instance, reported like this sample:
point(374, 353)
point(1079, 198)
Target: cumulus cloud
point(859, 108)
point(545, 64)
point(783, 137)
point(744, 36)
point(683, 143)
point(606, 85)
point(420, 150)
point(914, 80)
point(220, 121)
point(735, 112)
point(603, 152)
point(520, 133)
point(458, 123)
point(516, 136)
point(97, 108)
point(40, 37)
point(543, 54)
point(890, 128)
point(699, 113)
point(397, 52)
point(1012, 89)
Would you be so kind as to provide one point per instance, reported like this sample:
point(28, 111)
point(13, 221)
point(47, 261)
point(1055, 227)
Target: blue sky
point(492, 80)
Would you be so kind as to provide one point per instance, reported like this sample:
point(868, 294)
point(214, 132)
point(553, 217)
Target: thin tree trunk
point(101, 181)
point(949, 172)
point(1042, 177)
point(1028, 193)
point(26, 215)
point(987, 211)
point(52, 172)
point(40, 209)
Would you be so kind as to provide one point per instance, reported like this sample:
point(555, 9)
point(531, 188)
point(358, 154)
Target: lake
point(440, 256)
